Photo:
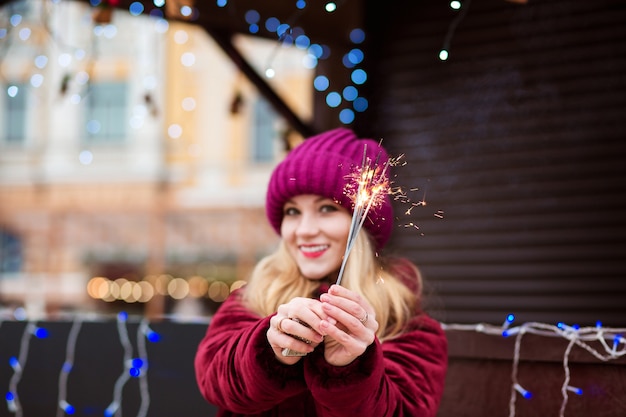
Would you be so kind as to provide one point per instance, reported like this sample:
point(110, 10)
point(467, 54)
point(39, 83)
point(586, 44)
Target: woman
point(291, 343)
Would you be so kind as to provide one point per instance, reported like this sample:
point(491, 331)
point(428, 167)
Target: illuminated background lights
point(346, 116)
point(161, 25)
point(188, 59)
point(358, 76)
point(24, 34)
point(109, 31)
point(271, 24)
point(350, 93)
point(270, 73)
point(321, 83)
point(181, 37)
point(456, 5)
point(175, 131)
point(355, 56)
point(186, 11)
point(20, 314)
point(316, 50)
point(252, 18)
point(135, 9)
point(333, 99)
point(101, 288)
point(188, 104)
point(93, 126)
point(357, 35)
point(222, 3)
point(41, 61)
point(36, 80)
point(159, 3)
point(282, 30)
point(157, 13)
point(12, 91)
point(330, 7)
point(300, 4)
point(443, 55)
point(64, 60)
point(360, 104)
point(302, 42)
point(309, 61)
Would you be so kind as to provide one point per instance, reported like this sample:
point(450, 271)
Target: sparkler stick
point(371, 183)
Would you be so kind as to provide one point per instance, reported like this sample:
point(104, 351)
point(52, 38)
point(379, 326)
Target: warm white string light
point(133, 367)
point(143, 333)
point(18, 363)
point(582, 337)
point(70, 349)
point(114, 408)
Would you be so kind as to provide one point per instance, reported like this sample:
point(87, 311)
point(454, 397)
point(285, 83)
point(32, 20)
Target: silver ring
point(364, 319)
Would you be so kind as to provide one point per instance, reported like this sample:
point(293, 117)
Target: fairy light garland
point(603, 343)
point(114, 406)
point(144, 332)
point(70, 349)
point(18, 363)
point(577, 336)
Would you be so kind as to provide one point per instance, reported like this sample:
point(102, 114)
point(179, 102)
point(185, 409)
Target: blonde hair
point(385, 283)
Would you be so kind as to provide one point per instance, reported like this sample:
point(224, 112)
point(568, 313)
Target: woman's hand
point(291, 334)
point(354, 328)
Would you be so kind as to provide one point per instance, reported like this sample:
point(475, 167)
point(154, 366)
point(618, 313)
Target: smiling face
point(315, 231)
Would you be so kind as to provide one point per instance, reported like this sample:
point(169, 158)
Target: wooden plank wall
point(518, 141)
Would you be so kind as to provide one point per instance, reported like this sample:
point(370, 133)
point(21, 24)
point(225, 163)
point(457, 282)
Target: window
point(265, 131)
point(106, 119)
point(14, 117)
point(10, 252)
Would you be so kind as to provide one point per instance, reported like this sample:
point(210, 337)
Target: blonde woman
point(291, 342)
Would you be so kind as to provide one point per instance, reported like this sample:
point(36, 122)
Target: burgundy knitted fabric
point(322, 165)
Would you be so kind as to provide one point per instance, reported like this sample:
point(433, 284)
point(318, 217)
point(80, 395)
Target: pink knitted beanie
point(322, 165)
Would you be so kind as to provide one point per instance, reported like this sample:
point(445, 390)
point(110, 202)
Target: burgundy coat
point(236, 370)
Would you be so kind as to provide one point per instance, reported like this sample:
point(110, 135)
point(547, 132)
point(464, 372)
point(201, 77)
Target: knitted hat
point(322, 165)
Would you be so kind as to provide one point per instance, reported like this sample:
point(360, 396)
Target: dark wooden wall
point(519, 141)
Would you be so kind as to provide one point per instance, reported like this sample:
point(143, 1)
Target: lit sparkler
point(372, 186)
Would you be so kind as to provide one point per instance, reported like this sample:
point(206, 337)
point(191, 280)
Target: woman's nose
point(308, 225)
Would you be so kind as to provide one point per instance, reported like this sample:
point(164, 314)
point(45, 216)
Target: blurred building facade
point(133, 159)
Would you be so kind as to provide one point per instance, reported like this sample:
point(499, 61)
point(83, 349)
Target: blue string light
point(153, 336)
point(575, 390)
point(41, 333)
point(523, 392)
point(67, 408)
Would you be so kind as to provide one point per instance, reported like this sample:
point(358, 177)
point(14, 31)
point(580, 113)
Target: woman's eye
point(291, 211)
point(328, 208)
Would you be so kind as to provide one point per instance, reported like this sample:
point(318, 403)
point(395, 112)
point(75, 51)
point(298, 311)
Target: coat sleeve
point(404, 376)
point(235, 366)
